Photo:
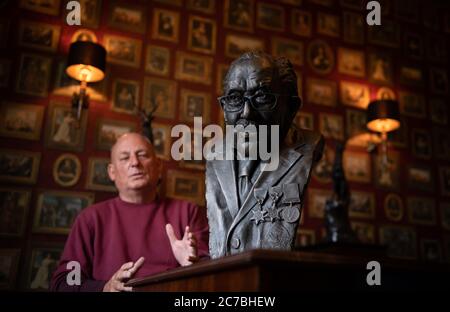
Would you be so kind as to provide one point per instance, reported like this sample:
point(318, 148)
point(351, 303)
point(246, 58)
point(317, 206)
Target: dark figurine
point(337, 224)
point(248, 206)
point(146, 122)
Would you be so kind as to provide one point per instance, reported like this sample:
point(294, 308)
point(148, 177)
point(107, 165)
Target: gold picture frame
point(157, 60)
point(193, 68)
point(195, 104)
point(9, 268)
point(18, 166)
point(317, 199)
point(186, 186)
point(67, 170)
point(202, 34)
point(109, 130)
point(123, 50)
point(362, 205)
point(291, 49)
point(166, 25)
point(128, 17)
point(161, 93)
point(239, 15)
point(21, 121)
point(351, 62)
point(36, 35)
point(162, 140)
point(34, 75)
point(393, 207)
point(354, 94)
point(125, 97)
point(357, 167)
point(97, 175)
point(236, 45)
point(16, 204)
point(50, 7)
point(421, 210)
point(270, 16)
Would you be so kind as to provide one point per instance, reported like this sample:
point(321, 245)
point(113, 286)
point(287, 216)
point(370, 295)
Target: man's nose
point(134, 161)
point(246, 111)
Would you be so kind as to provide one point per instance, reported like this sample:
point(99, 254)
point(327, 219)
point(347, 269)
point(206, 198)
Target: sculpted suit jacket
point(269, 215)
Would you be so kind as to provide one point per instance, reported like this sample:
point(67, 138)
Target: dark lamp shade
point(383, 116)
point(86, 58)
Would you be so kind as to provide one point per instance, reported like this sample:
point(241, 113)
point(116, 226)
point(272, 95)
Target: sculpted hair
point(284, 68)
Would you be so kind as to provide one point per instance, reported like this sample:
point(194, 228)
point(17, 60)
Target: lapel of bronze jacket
point(225, 173)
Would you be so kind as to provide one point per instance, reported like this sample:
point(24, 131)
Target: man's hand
point(126, 271)
point(184, 250)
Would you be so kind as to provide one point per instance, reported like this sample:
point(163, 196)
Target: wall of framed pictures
point(174, 54)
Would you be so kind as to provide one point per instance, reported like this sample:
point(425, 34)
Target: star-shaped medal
point(273, 214)
point(258, 216)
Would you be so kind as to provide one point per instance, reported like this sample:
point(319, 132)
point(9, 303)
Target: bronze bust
point(249, 207)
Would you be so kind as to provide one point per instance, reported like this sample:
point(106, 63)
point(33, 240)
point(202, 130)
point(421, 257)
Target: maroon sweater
point(108, 234)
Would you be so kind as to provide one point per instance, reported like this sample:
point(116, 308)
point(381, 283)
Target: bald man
point(135, 234)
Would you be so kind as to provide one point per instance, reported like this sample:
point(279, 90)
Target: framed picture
point(438, 111)
point(413, 46)
point(193, 68)
point(21, 121)
point(351, 62)
point(365, 232)
point(157, 60)
point(97, 176)
point(50, 7)
point(290, 49)
point(42, 262)
point(362, 205)
point(421, 143)
point(195, 104)
point(108, 131)
point(438, 80)
point(304, 120)
point(400, 241)
point(354, 28)
point(239, 15)
point(357, 167)
point(444, 173)
point(354, 94)
point(323, 171)
point(125, 96)
point(380, 68)
point(441, 143)
point(19, 166)
point(320, 57)
point(160, 93)
point(385, 93)
point(386, 174)
point(64, 131)
point(34, 73)
point(445, 215)
point(236, 45)
point(67, 86)
point(328, 24)
point(222, 70)
point(162, 140)
point(202, 34)
point(388, 35)
point(420, 177)
point(123, 50)
point(270, 16)
point(128, 17)
point(317, 199)
point(9, 262)
point(90, 12)
point(430, 250)
point(56, 210)
point(321, 92)
point(331, 126)
point(412, 104)
point(67, 170)
point(5, 72)
point(14, 207)
point(84, 35)
point(166, 25)
point(411, 75)
point(356, 123)
point(301, 23)
point(305, 238)
point(204, 6)
point(421, 210)
point(40, 36)
point(393, 207)
point(186, 185)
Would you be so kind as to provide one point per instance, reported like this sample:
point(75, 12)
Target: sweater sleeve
point(79, 247)
point(199, 226)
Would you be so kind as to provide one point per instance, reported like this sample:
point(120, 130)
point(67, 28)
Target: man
point(250, 207)
point(124, 237)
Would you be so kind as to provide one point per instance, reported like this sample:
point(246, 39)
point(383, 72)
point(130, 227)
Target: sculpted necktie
point(245, 183)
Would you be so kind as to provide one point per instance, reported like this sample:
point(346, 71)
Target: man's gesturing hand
point(184, 250)
point(126, 271)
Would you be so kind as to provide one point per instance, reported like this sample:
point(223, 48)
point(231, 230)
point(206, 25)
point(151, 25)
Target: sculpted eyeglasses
point(262, 102)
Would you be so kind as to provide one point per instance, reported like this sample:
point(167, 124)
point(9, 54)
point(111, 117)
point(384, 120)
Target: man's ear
point(111, 172)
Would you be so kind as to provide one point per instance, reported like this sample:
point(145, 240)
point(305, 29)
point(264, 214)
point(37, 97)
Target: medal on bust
point(291, 213)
